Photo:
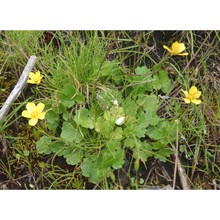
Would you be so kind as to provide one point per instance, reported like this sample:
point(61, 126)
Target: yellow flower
point(192, 95)
point(34, 112)
point(35, 78)
point(176, 49)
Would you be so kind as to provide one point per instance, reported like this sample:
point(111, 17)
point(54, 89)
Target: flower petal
point(31, 75)
point(196, 101)
point(30, 106)
point(181, 47)
point(186, 100)
point(183, 54)
point(197, 95)
point(33, 121)
point(120, 120)
point(193, 90)
point(26, 114)
point(42, 115)
point(40, 107)
point(31, 81)
point(175, 48)
point(167, 48)
point(185, 92)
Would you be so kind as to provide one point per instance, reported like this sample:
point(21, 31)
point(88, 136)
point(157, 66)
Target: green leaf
point(139, 131)
point(142, 70)
point(156, 84)
point(98, 124)
point(112, 158)
point(107, 128)
point(165, 81)
point(143, 150)
point(165, 131)
point(161, 81)
point(62, 109)
point(80, 98)
point(43, 145)
point(130, 142)
point(69, 91)
point(113, 144)
point(141, 74)
point(91, 168)
point(57, 148)
point(130, 107)
point(67, 95)
point(84, 118)
point(150, 105)
point(104, 127)
point(157, 133)
point(107, 116)
point(71, 134)
point(52, 126)
point(73, 155)
point(67, 101)
point(109, 68)
point(117, 134)
point(107, 96)
point(161, 151)
point(52, 116)
point(96, 167)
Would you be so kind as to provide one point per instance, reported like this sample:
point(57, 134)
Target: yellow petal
point(33, 121)
point(42, 115)
point(167, 48)
point(30, 106)
point(38, 75)
point(183, 54)
point(26, 114)
point(185, 92)
point(31, 81)
point(31, 75)
point(40, 107)
point(181, 47)
point(186, 100)
point(175, 48)
point(196, 101)
point(193, 90)
point(197, 95)
point(175, 45)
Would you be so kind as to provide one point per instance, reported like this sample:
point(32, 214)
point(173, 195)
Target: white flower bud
point(120, 120)
point(115, 102)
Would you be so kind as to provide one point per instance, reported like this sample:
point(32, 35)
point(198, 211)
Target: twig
point(176, 156)
point(179, 167)
point(18, 87)
point(182, 175)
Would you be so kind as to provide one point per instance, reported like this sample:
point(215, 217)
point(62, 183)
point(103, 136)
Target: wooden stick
point(18, 87)
point(182, 174)
point(178, 166)
point(176, 155)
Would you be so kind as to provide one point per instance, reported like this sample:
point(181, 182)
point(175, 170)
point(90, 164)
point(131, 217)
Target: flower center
point(36, 79)
point(35, 114)
point(191, 96)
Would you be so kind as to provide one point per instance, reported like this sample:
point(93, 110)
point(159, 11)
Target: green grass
point(79, 145)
